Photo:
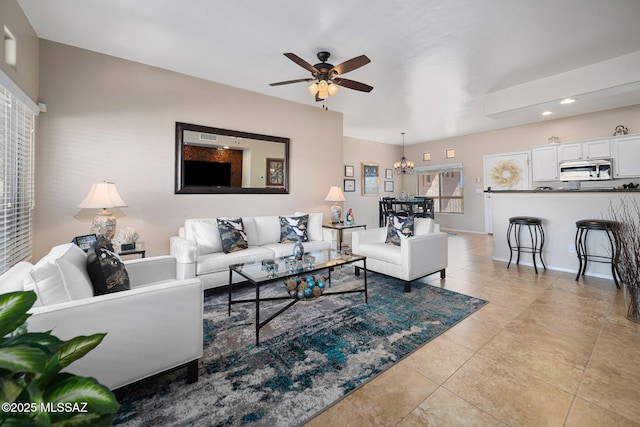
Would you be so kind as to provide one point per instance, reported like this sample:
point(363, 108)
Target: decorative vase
point(632, 302)
point(298, 250)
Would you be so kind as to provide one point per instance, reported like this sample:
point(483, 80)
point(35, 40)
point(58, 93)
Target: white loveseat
point(153, 327)
point(198, 247)
point(424, 253)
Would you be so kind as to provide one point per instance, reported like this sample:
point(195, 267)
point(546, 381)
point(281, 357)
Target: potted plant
point(33, 391)
point(628, 262)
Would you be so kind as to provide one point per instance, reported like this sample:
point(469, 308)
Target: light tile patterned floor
point(546, 351)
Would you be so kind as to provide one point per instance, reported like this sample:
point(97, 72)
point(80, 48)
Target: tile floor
point(545, 351)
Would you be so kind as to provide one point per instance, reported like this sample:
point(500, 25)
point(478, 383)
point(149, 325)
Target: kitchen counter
point(559, 213)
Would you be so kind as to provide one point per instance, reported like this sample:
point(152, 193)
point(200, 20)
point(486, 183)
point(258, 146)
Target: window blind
point(16, 180)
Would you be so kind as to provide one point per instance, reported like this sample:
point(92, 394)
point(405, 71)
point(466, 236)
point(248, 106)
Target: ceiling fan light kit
point(325, 76)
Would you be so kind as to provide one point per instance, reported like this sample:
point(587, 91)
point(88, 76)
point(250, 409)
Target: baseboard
point(564, 270)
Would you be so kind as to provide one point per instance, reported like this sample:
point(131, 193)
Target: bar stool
point(536, 233)
point(611, 229)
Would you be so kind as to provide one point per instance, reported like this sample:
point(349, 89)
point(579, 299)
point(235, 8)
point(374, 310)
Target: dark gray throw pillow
point(106, 271)
point(294, 229)
point(399, 228)
point(232, 235)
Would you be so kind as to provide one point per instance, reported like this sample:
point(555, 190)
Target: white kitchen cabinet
point(592, 149)
point(544, 160)
point(570, 151)
point(626, 155)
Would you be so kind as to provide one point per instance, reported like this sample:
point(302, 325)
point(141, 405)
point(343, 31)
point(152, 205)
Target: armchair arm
point(372, 235)
point(150, 270)
point(185, 251)
point(424, 254)
point(138, 324)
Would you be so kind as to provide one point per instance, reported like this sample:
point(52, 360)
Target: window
point(445, 184)
point(16, 178)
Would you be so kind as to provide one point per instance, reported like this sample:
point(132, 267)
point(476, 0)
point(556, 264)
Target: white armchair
point(424, 253)
point(153, 327)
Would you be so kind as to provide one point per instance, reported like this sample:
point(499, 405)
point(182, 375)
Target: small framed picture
point(388, 186)
point(275, 172)
point(370, 181)
point(348, 171)
point(426, 157)
point(388, 174)
point(349, 185)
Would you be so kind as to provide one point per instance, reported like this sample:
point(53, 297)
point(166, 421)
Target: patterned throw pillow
point(294, 229)
point(106, 271)
point(232, 235)
point(399, 228)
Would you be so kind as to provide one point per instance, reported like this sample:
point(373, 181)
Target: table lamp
point(103, 195)
point(335, 195)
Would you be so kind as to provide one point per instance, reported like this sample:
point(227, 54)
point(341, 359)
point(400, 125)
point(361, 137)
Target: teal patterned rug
point(308, 358)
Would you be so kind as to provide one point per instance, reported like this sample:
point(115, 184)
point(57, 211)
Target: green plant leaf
point(22, 359)
point(10, 389)
point(42, 340)
point(75, 389)
point(13, 310)
point(78, 347)
point(85, 420)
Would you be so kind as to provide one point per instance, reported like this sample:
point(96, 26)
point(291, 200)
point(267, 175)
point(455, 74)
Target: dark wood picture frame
point(275, 172)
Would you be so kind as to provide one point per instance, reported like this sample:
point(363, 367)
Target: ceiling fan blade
point(301, 62)
point(288, 82)
point(350, 65)
point(351, 84)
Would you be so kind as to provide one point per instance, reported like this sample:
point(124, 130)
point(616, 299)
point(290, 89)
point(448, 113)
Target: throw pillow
point(399, 228)
point(232, 235)
point(107, 272)
point(294, 229)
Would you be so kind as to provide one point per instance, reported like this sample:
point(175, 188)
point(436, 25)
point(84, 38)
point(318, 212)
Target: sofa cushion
point(268, 229)
point(294, 229)
point(399, 228)
point(73, 269)
point(15, 278)
point(60, 275)
point(206, 235)
point(232, 235)
point(220, 261)
point(286, 249)
point(422, 226)
point(107, 272)
point(381, 251)
point(314, 227)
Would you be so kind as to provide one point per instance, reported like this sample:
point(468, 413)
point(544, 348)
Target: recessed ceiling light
point(547, 113)
point(567, 101)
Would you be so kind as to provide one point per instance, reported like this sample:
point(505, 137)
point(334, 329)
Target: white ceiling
point(433, 61)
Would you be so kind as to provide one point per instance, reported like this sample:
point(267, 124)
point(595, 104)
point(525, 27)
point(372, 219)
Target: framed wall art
point(349, 185)
point(370, 179)
point(388, 174)
point(275, 172)
point(348, 170)
point(388, 186)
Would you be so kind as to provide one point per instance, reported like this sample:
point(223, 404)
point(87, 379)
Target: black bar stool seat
point(536, 235)
point(611, 229)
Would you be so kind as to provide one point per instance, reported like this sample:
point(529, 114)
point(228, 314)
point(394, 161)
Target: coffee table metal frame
point(254, 274)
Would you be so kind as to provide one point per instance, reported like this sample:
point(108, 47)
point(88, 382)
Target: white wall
point(114, 120)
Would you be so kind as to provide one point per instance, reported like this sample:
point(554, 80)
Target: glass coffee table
point(280, 270)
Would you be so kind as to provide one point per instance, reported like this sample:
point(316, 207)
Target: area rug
point(309, 357)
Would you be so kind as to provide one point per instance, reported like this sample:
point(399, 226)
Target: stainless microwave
point(586, 170)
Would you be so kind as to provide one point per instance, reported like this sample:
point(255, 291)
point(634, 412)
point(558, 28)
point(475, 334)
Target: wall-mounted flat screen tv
point(200, 173)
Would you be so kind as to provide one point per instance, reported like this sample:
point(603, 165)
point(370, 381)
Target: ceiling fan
point(326, 76)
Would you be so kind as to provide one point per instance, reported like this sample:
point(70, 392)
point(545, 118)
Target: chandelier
point(403, 167)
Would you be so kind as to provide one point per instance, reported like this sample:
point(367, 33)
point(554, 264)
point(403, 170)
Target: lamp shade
point(102, 195)
point(335, 195)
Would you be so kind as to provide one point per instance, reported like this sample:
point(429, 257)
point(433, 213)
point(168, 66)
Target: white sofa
point(153, 327)
point(198, 248)
point(424, 253)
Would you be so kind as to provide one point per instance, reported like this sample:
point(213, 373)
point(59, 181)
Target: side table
point(340, 227)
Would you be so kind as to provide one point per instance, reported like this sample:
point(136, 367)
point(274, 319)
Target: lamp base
point(336, 213)
point(104, 226)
